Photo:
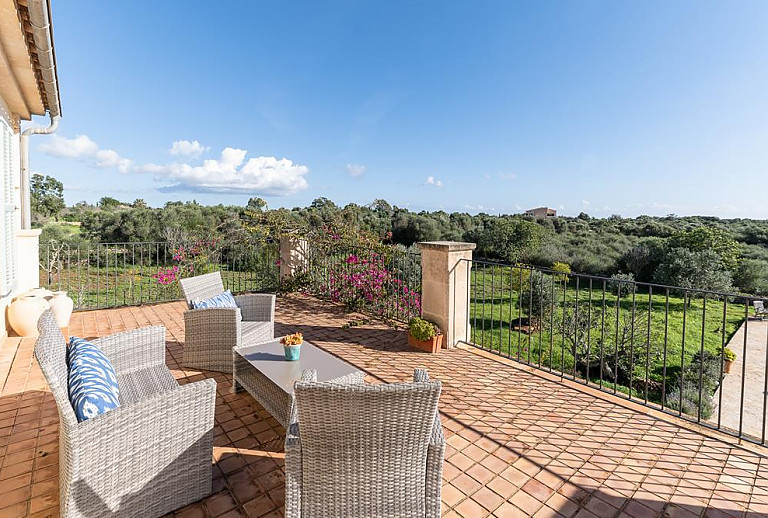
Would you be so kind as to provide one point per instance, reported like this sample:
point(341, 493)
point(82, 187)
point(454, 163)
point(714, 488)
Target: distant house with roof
point(541, 212)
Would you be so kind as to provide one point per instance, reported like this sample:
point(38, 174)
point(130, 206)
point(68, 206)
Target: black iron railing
point(102, 275)
point(383, 281)
point(663, 346)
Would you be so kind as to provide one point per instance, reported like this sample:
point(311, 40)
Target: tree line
point(691, 252)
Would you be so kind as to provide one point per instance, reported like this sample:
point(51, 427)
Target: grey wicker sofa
point(210, 334)
point(364, 450)
point(151, 455)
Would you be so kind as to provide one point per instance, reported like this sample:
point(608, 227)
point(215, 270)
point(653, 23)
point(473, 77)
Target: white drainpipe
point(26, 204)
point(39, 18)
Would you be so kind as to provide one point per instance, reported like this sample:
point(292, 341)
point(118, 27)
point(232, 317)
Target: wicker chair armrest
point(437, 439)
point(420, 376)
point(293, 471)
point(136, 349)
point(356, 378)
point(434, 482)
point(257, 307)
point(168, 421)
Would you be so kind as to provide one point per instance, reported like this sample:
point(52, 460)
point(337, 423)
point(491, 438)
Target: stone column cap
point(29, 232)
point(447, 246)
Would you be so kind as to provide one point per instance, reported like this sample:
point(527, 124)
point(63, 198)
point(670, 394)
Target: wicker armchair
point(364, 450)
point(210, 334)
point(151, 455)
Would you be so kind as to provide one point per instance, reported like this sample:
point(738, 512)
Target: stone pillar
point(294, 255)
point(27, 259)
point(445, 266)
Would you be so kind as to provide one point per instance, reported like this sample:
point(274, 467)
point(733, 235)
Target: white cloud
point(231, 173)
point(507, 176)
point(107, 158)
point(355, 170)
point(193, 149)
point(86, 150)
point(69, 147)
point(480, 208)
point(432, 181)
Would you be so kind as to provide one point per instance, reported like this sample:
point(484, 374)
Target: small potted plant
point(728, 358)
point(292, 346)
point(424, 335)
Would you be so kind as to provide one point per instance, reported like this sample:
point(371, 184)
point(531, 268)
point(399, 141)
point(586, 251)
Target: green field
point(653, 341)
point(91, 287)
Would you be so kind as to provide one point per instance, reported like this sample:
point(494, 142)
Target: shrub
point(200, 257)
point(509, 239)
point(694, 270)
point(642, 259)
point(711, 239)
point(298, 282)
point(422, 329)
point(708, 367)
point(690, 401)
point(367, 284)
point(752, 276)
point(562, 270)
point(621, 280)
point(704, 367)
point(536, 299)
point(520, 278)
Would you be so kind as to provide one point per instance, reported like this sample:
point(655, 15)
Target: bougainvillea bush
point(195, 259)
point(366, 284)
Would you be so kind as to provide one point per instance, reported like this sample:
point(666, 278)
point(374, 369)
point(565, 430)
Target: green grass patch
point(640, 333)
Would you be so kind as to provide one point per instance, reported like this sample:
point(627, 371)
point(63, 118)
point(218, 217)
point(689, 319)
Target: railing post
point(445, 267)
point(294, 255)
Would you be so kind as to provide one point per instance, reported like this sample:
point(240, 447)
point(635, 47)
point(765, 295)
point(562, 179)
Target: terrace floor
point(520, 443)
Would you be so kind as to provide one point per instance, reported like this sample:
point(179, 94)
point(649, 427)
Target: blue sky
point(608, 107)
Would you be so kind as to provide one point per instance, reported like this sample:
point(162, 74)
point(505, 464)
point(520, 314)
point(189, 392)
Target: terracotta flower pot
point(431, 346)
point(727, 367)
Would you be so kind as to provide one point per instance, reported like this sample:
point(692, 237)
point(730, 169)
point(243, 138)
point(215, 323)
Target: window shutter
point(8, 255)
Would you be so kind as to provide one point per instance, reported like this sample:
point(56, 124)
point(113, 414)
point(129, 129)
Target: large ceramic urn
point(24, 312)
point(62, 308)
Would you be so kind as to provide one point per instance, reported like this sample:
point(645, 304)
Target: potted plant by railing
point(424, 335)
point(728, 358)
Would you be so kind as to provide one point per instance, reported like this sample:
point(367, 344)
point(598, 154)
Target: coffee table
point(262, 370)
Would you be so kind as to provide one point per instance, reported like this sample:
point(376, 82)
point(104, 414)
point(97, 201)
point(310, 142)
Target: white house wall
point(14, 123)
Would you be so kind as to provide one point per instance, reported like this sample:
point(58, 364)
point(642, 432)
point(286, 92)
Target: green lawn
point(498, 307)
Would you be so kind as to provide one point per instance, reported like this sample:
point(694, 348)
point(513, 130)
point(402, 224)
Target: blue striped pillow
point(222, 300)
point(91, 380)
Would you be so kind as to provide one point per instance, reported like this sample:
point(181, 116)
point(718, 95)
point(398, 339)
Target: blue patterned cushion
point(92, 381)
point(222, 300)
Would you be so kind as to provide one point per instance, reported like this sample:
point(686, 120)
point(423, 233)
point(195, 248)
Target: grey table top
point(269, 359)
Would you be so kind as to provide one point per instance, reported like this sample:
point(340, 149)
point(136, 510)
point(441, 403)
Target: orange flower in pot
point(292, 346)
point(424, 335)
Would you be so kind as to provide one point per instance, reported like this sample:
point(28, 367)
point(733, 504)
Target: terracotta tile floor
point(519, 443)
